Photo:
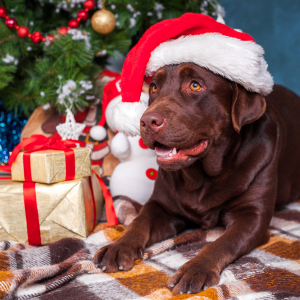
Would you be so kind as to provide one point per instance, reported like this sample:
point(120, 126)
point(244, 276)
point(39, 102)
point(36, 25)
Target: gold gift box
point(65, 209)
point(49, 166)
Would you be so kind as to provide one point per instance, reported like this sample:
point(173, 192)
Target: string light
point(37, 37)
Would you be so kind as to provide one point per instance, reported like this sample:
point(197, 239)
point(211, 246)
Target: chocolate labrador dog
point(227, 157)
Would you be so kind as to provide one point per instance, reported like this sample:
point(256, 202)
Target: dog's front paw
point(193, 276)
point(118, 256)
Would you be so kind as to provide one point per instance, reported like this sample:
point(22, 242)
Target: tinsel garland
point(11, 126)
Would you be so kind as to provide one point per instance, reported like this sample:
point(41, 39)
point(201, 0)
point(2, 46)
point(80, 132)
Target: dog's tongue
point(162, 150)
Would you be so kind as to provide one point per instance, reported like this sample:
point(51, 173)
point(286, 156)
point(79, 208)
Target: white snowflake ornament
point(10, 59)
point(70, 129)
point(78, 35)
point(68, 87)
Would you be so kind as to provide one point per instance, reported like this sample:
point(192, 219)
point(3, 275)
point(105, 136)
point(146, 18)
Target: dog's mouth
point(170, 155)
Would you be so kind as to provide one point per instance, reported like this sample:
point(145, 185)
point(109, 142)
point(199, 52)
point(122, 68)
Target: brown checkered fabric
point(64, 270)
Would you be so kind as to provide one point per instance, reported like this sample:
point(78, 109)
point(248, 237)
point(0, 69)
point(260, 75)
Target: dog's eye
point(154, 88)
point(195, 86)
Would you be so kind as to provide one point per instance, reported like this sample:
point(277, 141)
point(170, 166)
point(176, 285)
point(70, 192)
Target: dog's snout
point(152, 120)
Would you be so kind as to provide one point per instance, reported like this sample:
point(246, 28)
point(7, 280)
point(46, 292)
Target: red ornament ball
point(23, 32)
point(83, 15)
point(11, 22)
point(36, 37)
point(3, 12)
point(74, 23)
point(89, 4)
point(50, 37)
point(63, 30)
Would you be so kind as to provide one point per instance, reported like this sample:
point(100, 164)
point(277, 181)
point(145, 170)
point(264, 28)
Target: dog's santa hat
point(193, 38)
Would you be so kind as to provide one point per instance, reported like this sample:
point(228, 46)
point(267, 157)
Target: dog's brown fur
point(250, 166)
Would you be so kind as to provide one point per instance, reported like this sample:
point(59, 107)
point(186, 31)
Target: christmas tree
point(50, 52)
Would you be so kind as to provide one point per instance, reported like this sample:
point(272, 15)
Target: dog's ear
point(246, 107)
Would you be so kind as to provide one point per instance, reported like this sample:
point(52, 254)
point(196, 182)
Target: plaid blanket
point(64, 270)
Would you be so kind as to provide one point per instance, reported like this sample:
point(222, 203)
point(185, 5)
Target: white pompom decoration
point(120, 146)
point(98, 133)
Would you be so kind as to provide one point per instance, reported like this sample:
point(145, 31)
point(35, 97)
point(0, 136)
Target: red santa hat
point(191, 38)
point(111, 90)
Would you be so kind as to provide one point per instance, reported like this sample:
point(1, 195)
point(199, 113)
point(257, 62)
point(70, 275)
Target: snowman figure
point(135, 176)
point(97, 137)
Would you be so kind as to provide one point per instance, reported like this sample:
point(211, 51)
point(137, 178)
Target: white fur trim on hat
point(126, 115)
point(240, 61)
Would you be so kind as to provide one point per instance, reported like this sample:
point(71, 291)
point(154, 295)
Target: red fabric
point(188, 24)
point(109, 73)
point(27, 166)
point(79, 116)
point(111, 216)
point(31, 212)
point(70, 164)
point(110, 91)
point(56, 135)
point(5, 169)
point(32, 215)
point(87, 129)
point(101, 145)
point(97, 162)
point(93, 199)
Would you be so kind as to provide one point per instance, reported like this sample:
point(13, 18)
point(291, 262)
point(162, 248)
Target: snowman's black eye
point(195, 86)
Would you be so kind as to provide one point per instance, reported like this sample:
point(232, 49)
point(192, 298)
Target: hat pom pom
point(98, 133)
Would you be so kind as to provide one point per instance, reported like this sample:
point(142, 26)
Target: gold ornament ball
point(103, 21)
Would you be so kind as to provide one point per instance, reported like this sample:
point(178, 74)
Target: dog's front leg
point(152, 225)
point(247, 224)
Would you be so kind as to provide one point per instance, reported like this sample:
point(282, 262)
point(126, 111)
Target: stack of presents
point(53, 192)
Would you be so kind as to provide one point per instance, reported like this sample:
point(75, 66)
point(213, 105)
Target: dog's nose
point(152, 120)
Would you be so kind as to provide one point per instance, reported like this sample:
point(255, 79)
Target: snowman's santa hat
point(111, 90)
point(191, 38)
point(111, 96)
